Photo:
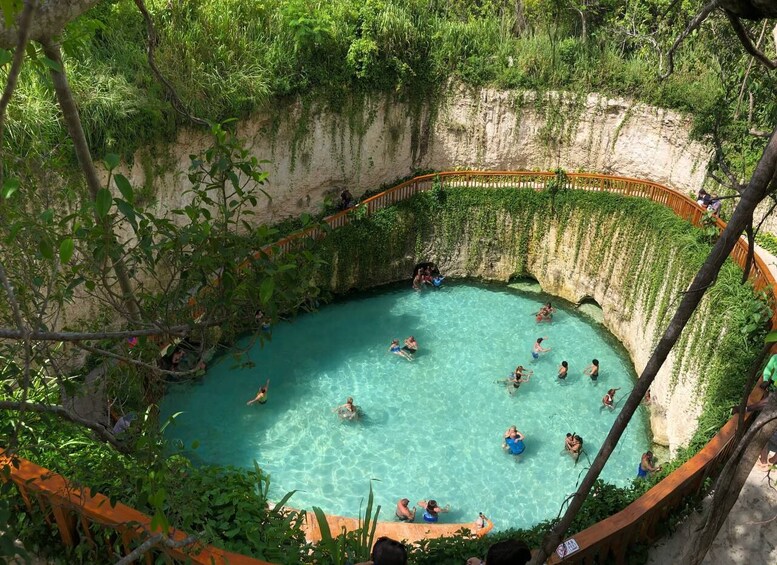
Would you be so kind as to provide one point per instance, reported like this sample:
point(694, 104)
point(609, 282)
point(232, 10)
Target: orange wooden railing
point(74, 511)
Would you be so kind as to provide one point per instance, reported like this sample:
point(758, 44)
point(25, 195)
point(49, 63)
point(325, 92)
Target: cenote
point(433, 427)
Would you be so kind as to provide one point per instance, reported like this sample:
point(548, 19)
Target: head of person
point(411, 338)
point(579, 439)
point(349, 400)
point(430, 506)
point(569, 435)
point(404, 502)
point(519, 368)
point(548, 305)
point(539, 340)
point(394, 342)
point(508, 552)
point(611, 392)
point(565, 364)
point(595, 362)
point(387, 551)
point(648, 455)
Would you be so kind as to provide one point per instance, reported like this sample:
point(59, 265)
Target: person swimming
point(437, 281)
point(545, 313)
point(348, 411)
point(514, 442)
point(538, 349)
point(517, 378)
point(261, 396)
point(563, 370)
point(403, 512)
point(608, 400)
point(411, 345)
point(573, 445)
point(592, 370)
point(432, 511)
point(397, 350)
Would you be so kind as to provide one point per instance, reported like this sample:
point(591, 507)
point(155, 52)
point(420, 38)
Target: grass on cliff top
point(326, 51)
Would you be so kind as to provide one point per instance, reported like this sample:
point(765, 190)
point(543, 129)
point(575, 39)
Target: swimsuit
point(429, 517)
point(535, 354)
point(401, 518)
point(641, 473)
point(395, 349)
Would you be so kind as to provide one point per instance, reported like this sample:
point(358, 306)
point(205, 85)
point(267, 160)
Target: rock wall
point(314, 152)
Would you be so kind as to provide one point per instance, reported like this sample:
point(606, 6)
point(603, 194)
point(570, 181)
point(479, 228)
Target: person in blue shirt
point(514, 441)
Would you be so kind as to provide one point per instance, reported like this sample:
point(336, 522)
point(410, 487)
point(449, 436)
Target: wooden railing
point(75, 512)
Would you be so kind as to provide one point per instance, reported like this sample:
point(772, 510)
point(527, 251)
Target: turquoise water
point(433, 426)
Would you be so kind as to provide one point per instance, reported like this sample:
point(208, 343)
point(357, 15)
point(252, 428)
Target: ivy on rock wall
point(637, 252)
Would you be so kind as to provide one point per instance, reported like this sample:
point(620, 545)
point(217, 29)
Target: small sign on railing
point(567, 548)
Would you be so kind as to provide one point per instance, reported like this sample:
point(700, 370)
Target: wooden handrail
point(57, 498)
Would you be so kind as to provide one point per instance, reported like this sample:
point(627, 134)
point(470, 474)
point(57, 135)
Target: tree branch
point(13, 73)
point(178, 330)
point(144, 547)
point(101, 431)
point(747, 43)
point(694, 23)
point(153, 39)
point(125, 359)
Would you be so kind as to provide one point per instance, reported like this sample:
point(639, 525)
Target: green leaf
point(51, 64)
point(771, 337)
point(10, 185)
point(10, 8)
point(125, 188)
point(266, 289)
point(46, 249)
point(66, 249)
point(5, 57)
point(102, 203)
point(111, 161)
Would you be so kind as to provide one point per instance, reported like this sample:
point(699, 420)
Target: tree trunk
point(519, 15)
point(76, 132)
point(763, 180)
point(730, 482)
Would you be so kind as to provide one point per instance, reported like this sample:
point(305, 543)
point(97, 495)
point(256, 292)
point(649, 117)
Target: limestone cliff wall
point(315, 152)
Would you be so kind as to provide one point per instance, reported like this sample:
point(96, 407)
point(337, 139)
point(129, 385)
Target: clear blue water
point(434, 426)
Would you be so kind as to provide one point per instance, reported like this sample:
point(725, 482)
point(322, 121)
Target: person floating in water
point(592, 370)
point(261, 396)
point(411, 345)
point(538, 349)
point(403, 512)
point(519, 376)
point(437, 280)
point(608, 400)
point(647, 465)
point(348, 411)
point(545, 313)
point(563, 370)
point(432, 511)
point(417, 280)
point(396, 350)
point(514, 441)
point(573, 445)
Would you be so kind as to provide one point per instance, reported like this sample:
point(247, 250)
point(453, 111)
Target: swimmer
point(647, 465)
point(592, 370)
point(514, 442)
point(563, 369)
point(545, 314)
point(348, 411)
point(417, 280)
point(403, 512)
point(517, 378)
point(608, 400)
point(573, 444)
point(437, 281)
point(411, 345)
point(510, 430)
point(395, 349)
point(538, 348)
point(261, 396)
point(482, 525)
point(432, 510)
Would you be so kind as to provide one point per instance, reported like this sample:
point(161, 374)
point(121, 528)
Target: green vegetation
point(227, 58)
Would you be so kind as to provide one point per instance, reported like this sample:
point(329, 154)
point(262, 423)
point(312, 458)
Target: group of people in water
point(427, 274)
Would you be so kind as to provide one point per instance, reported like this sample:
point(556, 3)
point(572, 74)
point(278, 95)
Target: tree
point(762, 182)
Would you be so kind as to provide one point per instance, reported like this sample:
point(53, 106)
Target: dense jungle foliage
point(227, 58)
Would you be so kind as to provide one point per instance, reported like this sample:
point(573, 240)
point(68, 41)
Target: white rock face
point(315, 153)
